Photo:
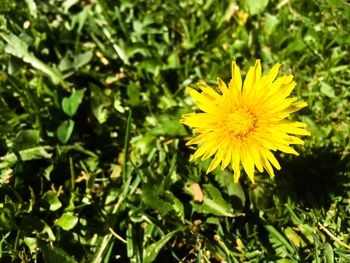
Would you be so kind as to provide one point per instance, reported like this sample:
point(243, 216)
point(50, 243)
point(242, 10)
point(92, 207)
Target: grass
point(94, 166)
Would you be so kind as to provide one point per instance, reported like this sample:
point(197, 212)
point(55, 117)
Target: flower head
point(245, 125)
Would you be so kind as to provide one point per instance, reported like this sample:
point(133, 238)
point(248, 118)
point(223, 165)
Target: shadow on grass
point(313, 179)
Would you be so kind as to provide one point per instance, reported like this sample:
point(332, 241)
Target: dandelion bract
point(245, 122)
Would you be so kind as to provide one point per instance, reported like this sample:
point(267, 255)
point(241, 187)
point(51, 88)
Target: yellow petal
point(276, 85)
point(294, 128)
point(203, 102)
point(199, 139)
point(198, 120)
point(287, 149)
point(198, 153)
point(257, 70)
point(278, 105)
point(295, 140)
point(250, 84)
point(211, 149)
point(214, 163)
point(287, 89)
point(268, 168)
point(236, 173)
point(209, 92)
point(247, 162)
point(226, 157)
point(209, 108)
point(300, 104)
point(292, 108)
point(222, 86)
point(256, 157)
point(271, 158)
point(272, 74)
point(236, 81)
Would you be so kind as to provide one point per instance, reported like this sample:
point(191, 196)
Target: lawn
point(94, 165)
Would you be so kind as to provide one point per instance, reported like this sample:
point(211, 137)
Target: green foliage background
point(93, 161)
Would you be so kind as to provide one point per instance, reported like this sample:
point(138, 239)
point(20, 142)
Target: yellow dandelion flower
point(244, 125)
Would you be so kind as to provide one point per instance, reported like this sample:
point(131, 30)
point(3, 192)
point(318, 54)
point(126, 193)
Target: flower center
point(240, 122)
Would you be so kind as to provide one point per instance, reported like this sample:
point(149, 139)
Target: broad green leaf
point(25, 155)
point(80, 19)
point(234, 190)
point(76, 147)
point(32, 8)
point(270, 24)
point(26, 139)
point(279, 238)
point(36, 225)
point(18, 48)
point(47, 172)
point(166, 102)
point(143, 143)
point(82, 59)
point(255, 7)
point(168, 125)
point(294, 237)
point(51, 199)
point(176, 204)
point(133, 92)
point(328, 253)
point(64, 131)
point(151, 252)
point(31, 243)
point(66, 63)
point(67, 221)
point(173, 60)
point(70, 105)
point(7, 216)
point(56, 255)
point(99, 103)
point(213, 202)
point(327, 90)
point(295, 46)
point(161, 201)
